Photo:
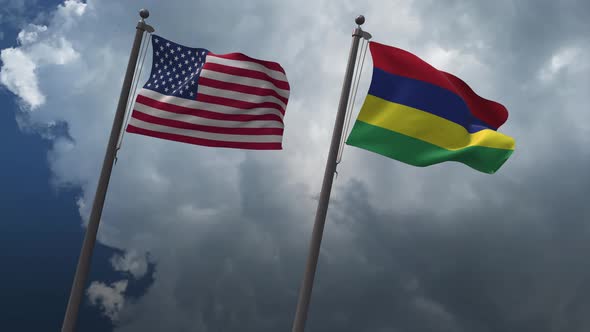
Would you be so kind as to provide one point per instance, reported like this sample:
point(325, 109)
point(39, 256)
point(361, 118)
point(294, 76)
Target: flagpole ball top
point(359, 20)
point(144, 13)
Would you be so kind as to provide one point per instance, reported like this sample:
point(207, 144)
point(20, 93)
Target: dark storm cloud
point(523, 30)
point(516, 264)
point(497, 265)
point(508, 258)
point(520, 37)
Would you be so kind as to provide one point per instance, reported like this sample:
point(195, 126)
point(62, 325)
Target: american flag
point(220, 100)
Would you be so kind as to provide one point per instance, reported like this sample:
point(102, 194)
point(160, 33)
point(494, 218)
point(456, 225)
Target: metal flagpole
point(83, 267)
point(320, 217)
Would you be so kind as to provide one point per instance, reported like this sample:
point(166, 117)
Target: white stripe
point(277, 75)
point(207, 90)
point(206, 135)
point(204, 121)
point(244, 81)
point(206, 106)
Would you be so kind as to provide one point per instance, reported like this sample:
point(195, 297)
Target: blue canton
point(175, 68)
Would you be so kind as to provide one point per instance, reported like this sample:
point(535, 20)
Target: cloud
point(38, 48)
point(109, 299)
point(405, 248)
point(30, 34)
point(70, 8)
point(20, 64)
point(131, 262)
point(18, 75)
point(559, 61)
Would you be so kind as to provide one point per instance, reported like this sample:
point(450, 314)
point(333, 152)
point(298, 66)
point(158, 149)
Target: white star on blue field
point(175, 68)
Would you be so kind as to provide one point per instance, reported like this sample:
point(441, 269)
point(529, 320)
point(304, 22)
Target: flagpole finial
point(144, 13)
point(359, 20)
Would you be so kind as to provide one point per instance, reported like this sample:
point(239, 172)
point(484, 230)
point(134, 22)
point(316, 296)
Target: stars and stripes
point(197, 97)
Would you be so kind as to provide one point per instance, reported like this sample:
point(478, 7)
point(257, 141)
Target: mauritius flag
point(422, 116)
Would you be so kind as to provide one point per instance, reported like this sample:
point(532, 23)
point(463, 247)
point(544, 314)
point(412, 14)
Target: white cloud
point(30, 34)
point(131, 262)
point(71, 8)
point(18, 75)
point(560, 61)
point(39, 48)
point(109, 299)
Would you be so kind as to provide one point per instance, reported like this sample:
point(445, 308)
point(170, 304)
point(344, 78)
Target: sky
point(201, 239)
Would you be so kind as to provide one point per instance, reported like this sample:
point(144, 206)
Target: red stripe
point(204, 113)
point(241, 88)
point(237, 103)
point(245, 73)
point(242, 57)
point(399, 62)
point(205, 142)
point(209, 129)
point(488, 111)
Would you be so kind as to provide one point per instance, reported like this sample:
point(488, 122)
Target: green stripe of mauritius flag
point(421, 116)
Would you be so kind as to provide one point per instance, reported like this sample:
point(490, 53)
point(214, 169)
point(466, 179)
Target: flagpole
point(83, 268)
point(320, 217)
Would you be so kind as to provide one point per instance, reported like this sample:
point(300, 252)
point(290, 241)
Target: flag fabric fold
point(421, 116)
point(219, 100)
